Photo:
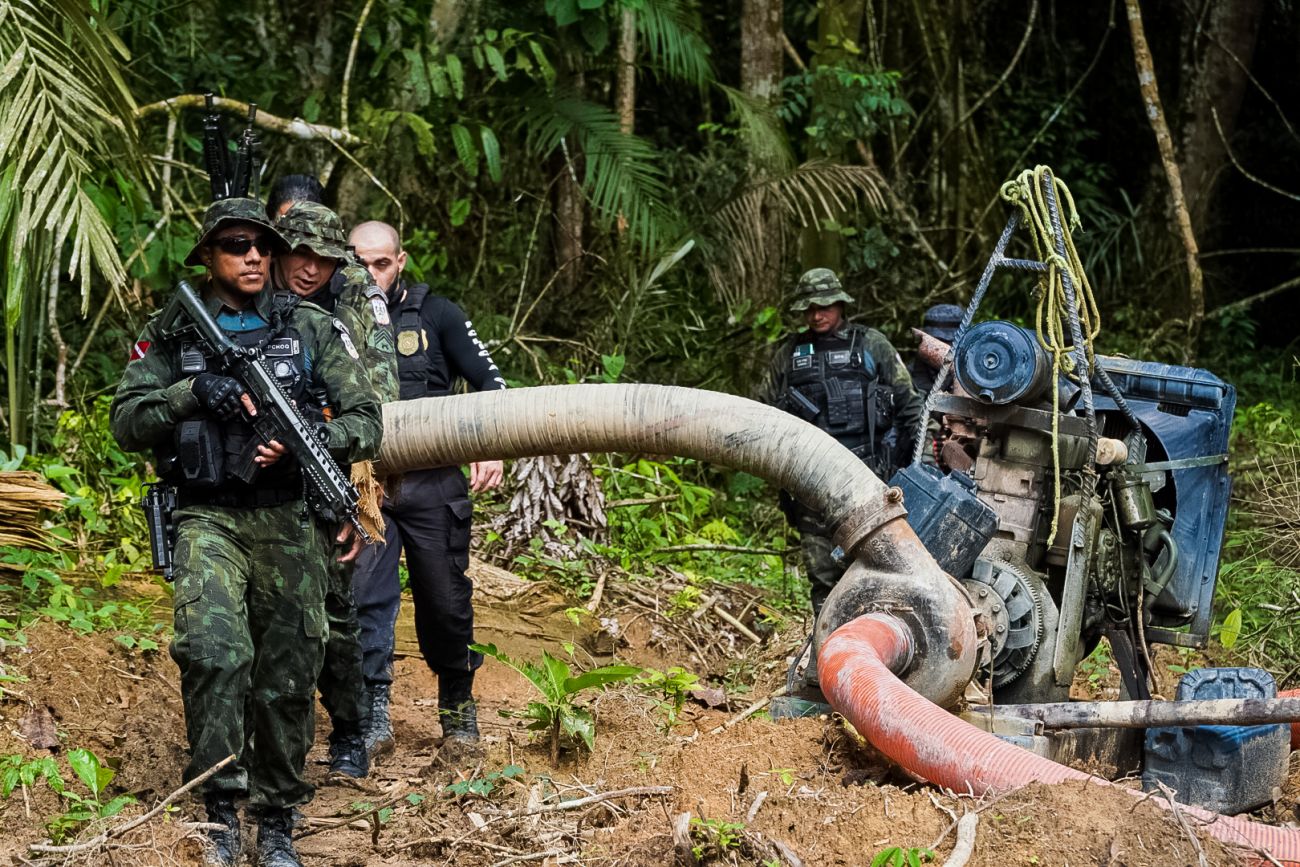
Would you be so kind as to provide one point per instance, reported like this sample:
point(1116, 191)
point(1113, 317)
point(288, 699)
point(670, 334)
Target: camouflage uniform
point(352, 295)
point(888, 385)
point(250, 559)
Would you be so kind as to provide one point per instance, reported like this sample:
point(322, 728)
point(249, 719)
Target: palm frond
point(741, 231)
point(673, 35)
point(65, 111)
point(621, 173)
point(761, 131)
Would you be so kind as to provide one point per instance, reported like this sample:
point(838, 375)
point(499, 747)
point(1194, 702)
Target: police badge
point(408, 342)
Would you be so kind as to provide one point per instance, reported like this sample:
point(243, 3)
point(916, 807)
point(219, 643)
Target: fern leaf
point(466, 150)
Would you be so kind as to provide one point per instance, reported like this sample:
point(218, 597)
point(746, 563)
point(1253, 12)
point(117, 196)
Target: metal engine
point(1063, 531)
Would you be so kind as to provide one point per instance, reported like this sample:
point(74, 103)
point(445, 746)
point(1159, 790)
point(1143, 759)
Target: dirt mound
point(124, 706)
point(808, 785)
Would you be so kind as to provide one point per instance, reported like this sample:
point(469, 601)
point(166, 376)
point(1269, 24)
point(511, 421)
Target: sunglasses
point(238, 245)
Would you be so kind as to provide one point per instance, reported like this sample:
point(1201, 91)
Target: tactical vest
point(413, 364)
point(833, 383)
point(215, 456)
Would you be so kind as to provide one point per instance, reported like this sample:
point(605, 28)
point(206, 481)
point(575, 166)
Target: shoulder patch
point(140, 350)
point(347, 339)
point(380, 308)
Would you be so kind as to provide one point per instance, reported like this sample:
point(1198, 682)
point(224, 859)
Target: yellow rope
point(1051, 316)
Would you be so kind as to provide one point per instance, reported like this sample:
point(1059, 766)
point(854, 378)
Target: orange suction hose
point(856, 667)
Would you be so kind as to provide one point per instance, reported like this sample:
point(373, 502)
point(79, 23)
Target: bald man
point(429, 512)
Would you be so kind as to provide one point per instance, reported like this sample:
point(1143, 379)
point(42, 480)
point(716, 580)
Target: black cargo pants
point(429, 518)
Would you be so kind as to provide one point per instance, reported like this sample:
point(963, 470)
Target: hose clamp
point(859, 524)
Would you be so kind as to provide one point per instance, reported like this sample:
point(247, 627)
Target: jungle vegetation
point(627, 189)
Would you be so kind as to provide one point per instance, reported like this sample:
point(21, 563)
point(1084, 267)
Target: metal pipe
point(1157, 714)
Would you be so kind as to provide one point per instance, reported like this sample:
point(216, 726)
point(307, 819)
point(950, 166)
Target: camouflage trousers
point(823, 571)
point(342, 688)
point(249, 641)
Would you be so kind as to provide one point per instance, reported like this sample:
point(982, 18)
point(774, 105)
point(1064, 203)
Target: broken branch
point(295, 128)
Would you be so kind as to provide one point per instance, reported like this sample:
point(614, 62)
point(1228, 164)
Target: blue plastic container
point(1228, 769)
point(952, 523)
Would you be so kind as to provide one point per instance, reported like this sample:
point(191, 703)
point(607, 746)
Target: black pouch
point(200, 453)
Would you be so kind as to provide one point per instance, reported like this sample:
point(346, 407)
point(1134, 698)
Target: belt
point(258, 498)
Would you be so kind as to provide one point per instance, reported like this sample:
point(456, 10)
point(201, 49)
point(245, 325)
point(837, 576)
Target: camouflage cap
point(315, 227)
point(818, 287)
point(236, 210)
point(942, 321)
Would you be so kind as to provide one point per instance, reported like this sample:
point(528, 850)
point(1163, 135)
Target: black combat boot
point(348, 754)
point(275, 839)
point(457, 708)
point(379, 729)
point(226, 842)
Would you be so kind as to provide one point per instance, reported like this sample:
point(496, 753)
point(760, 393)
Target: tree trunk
point(625, 84)
point(570, 211)
point(762, 60)
point(840, 21)
point(761, 57)
point(1195, 306)
point(1217, 55)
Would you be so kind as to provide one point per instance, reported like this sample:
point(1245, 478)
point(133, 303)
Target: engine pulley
point(1010, 598)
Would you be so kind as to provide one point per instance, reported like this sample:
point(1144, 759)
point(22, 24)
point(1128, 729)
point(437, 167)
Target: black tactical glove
point(220, 395)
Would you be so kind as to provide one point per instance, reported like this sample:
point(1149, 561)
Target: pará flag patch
point(139, 351)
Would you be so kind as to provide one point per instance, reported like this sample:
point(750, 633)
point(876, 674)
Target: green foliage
point(715, 837)
point(1096, 665)
point(687, 503)
point(484, 785)
point(897, 856)
point(840, 103)
point(100, 538)
point(16, 771)
point(65, 113)
point(621, 173)
point(669, 689)
point(94, 774)
point(1230, 629)
point(558, 687)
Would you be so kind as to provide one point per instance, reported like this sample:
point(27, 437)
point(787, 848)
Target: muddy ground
point(806, 788)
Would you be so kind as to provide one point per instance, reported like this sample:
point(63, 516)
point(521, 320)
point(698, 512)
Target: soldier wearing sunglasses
point(250, 557)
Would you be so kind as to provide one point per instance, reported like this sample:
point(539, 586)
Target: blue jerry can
point(1228, 769)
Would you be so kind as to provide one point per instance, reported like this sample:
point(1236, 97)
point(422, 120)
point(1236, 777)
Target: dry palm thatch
point(23, 496)
point(552, 488)
point(801, 197)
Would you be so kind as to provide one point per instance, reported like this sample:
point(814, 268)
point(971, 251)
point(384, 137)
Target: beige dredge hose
point(893, 572)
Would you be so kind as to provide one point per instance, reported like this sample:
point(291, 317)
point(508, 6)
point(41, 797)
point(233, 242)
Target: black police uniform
point(428, 513)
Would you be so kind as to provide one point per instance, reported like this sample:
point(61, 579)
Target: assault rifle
point(214, 152)
point(329, 492)
point(246, 159)
point(230, 182)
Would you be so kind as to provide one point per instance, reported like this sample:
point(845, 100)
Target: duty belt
point(259, 498)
